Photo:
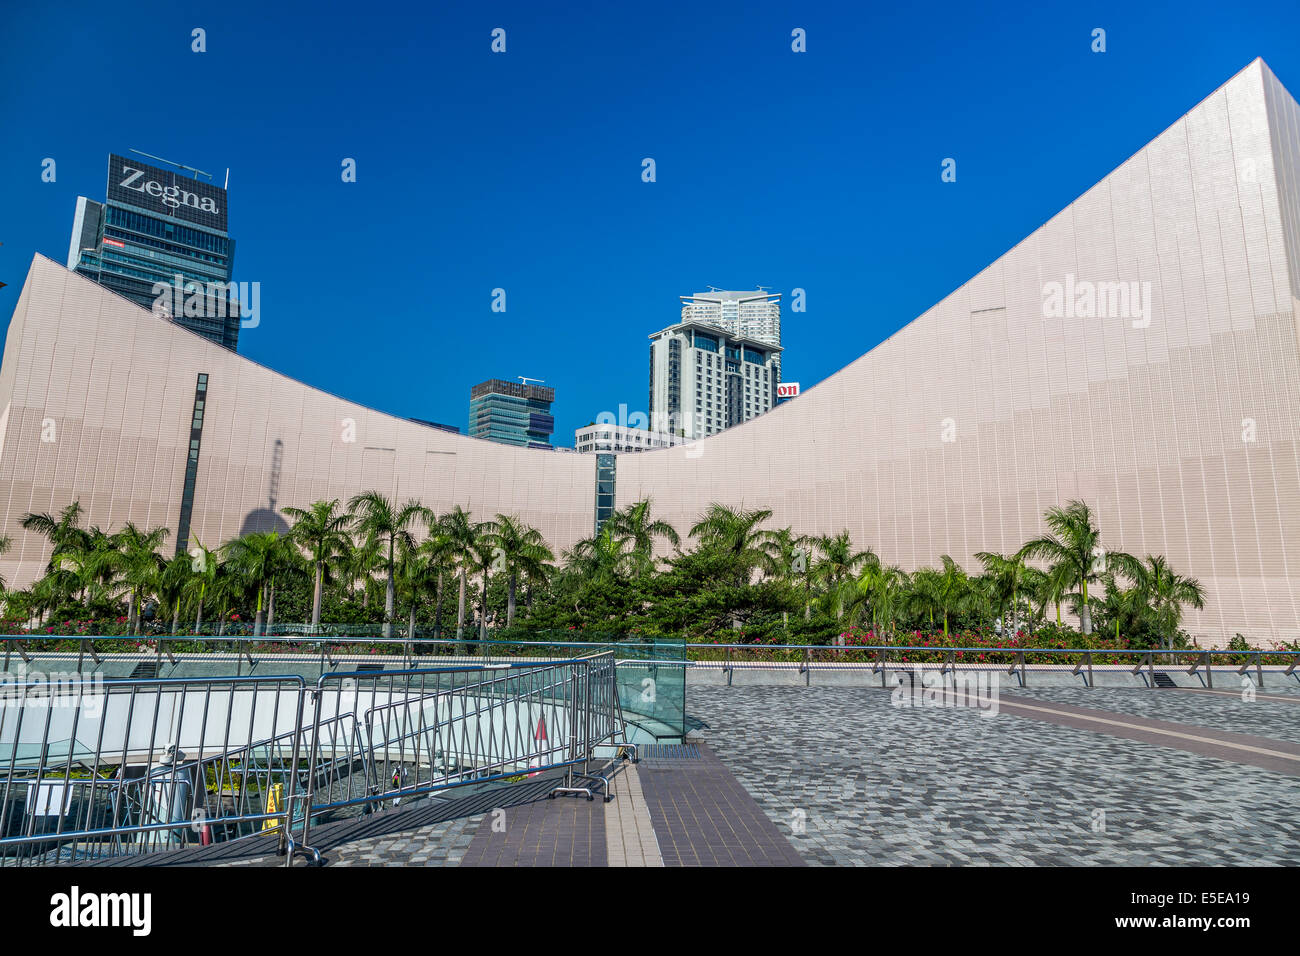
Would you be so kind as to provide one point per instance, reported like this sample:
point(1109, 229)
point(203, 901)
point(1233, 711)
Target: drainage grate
point(145, 670)
point(367, 668)
point(1163, 680)
point(669, 752)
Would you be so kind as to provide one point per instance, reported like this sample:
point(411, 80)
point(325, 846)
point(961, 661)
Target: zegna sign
point(146, 186)
point(171, 195)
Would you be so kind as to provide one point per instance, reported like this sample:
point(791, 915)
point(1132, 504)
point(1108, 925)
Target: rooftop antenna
point(227, 185)
point(197, 172)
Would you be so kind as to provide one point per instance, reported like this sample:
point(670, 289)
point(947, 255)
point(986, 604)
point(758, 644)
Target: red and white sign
point(122, 245)
point(787, 390)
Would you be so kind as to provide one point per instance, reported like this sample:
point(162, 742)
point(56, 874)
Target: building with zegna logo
point(160, 239)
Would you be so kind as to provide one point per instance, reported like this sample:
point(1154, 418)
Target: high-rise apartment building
point(157, 226)
point(704, 380)
point(755, 315)
point(512, 413)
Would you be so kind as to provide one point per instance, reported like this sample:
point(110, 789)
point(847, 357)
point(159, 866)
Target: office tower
point(512, 413)
point(704, 380)
point(158, 228)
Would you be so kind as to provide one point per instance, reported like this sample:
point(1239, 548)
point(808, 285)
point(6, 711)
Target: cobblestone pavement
point(443, 844)
point(868, 783)
point(1225, 709)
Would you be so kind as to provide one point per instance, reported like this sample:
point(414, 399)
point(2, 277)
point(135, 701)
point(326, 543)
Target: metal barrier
point(112, 768)
point(97, 769)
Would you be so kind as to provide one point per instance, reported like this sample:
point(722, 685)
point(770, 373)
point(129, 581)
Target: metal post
point(285, 837)
point(807, 666)
point(1209, 674)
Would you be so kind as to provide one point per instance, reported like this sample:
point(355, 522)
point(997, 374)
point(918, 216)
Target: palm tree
point(462, 548)
point(65, 535)
point(523, 550)
point(735, 534)
point(204, 572)
point(1164, 591)
point(633, 524)
point(952, 589)
point(63, 531)
point(878, 588)
point(173, 581)
point(1072, 550)
point(436, 549)
point(922, 597)
point(415, 575)
point(785, 557)
point(87, 567)
point(599, 557)
point(140, 564)
point(838, 564)
point(256, 557)
point(487, 553)
point(5, 544)
point(321, 530)
point(376, 517)
point(1006, 578)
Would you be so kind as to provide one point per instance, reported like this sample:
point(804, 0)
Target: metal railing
point(1018, 662)
point(96, 769)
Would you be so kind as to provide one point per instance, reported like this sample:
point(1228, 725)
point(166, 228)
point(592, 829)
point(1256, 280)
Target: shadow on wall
point(268, 519)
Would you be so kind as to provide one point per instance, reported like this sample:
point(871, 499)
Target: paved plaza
point(841, 775)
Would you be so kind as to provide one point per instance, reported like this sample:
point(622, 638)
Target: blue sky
point(522, 170)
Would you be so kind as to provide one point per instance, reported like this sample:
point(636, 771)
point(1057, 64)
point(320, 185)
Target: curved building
point(1139, 351)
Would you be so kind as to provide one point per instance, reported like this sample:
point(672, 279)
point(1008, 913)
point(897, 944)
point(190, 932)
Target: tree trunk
point(460, 608)
point(510, 602)
point(270, 606)
point(482, 607)
point(176, 617)
point(410, 627)
point(437, 611)
point(315, 600)
point(389, 595)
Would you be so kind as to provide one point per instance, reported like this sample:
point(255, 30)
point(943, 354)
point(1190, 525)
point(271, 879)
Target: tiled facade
point(1183, 435)
point(1179, 426)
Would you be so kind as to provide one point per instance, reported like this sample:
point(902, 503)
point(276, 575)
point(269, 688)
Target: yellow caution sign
point(274, 802)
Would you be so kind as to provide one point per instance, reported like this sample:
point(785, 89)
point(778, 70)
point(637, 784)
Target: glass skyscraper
point(160, 226)
point(512, 413)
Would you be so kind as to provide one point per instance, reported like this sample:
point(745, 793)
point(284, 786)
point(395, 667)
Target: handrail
point(169, 738)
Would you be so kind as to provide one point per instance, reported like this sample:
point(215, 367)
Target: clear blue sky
point(476, 170)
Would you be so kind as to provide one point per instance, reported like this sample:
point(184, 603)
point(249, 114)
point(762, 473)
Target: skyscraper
point(159, 226)
point(704, 379)
point(512, 413)
point(755, 315)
